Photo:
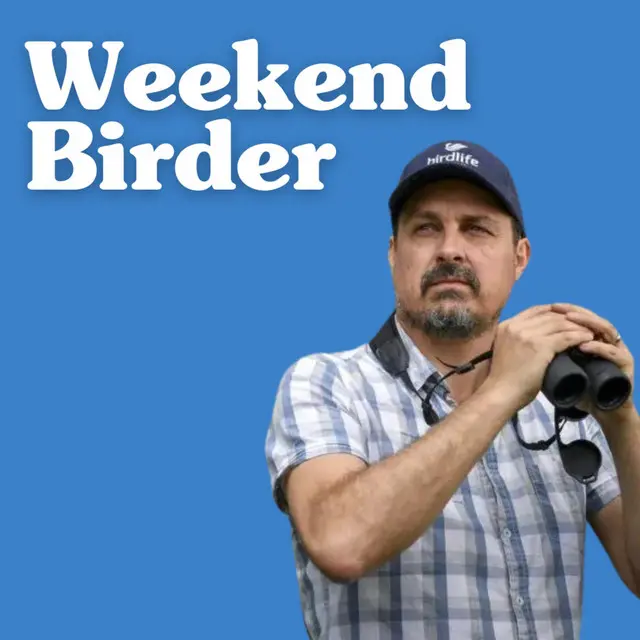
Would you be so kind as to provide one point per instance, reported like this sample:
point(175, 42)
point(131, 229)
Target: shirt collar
point(421, 369)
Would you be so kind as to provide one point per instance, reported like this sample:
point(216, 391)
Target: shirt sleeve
point(606, 487)
point(313, 415)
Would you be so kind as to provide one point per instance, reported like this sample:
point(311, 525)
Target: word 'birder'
point(251, 166)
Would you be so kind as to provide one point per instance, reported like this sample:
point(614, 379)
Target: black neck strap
point(388, 348)
point(392, 354)
point(390, 351)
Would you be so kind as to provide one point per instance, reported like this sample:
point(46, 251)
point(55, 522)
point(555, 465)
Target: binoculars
point(573, 373)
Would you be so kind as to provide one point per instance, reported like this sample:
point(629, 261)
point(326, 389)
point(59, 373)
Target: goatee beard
point(441, 323)
point(444, 321)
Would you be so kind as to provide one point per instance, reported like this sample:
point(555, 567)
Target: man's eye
point(477, 227)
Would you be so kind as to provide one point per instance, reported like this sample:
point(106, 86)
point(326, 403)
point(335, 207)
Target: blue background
point(145, 332)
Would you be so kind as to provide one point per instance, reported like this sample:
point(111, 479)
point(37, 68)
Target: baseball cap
point(463, 160)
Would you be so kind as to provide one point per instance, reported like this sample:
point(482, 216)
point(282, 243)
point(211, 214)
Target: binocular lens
point(565, 382)
point(610, 386)
point(612, 394)
point(569, 390)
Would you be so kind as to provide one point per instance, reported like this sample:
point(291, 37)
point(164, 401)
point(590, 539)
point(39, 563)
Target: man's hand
point(525, 345)
point(607, 345)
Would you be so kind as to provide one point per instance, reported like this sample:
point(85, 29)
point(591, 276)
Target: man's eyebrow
point(480, 217)
point(422, 213)
point(470, 217)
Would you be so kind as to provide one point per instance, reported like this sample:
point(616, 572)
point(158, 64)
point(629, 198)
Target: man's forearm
point(624, 441)
point(380, 511)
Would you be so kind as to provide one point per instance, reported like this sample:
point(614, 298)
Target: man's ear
point(391, 255)
point(523, 254)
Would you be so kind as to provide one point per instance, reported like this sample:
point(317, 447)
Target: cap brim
point(437, 172)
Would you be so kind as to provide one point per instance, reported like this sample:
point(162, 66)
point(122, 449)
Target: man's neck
point(455, 353)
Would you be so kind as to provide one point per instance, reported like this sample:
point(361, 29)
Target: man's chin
point(450, 305)
point(449, 319)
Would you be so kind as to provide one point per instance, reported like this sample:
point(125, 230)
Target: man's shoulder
point(346, 366)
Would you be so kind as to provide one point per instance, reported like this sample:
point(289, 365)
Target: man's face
point(454, 260)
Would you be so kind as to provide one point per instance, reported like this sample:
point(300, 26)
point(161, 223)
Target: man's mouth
point(449, 281)
point(451, 277)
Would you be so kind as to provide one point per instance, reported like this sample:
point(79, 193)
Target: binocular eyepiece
point(573, 373)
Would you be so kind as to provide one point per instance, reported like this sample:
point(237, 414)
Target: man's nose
point(451, 247)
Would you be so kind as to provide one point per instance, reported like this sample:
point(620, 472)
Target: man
point(418, 518)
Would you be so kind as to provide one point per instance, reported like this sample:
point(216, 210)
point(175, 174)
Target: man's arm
point(352, 517)
point(617, 524)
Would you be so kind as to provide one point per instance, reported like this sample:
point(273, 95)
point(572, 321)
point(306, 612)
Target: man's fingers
point(534, 311)
point(606, 351)
point(564, 307)
point(598, 325)
point(550, 323)
point(589, 319)
point(551, 318)
point(529, 314)
point(565, 339)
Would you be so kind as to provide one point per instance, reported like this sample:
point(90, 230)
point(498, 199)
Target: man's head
point(458, 242)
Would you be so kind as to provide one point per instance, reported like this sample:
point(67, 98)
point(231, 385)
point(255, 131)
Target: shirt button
point(520, 601)
point(506, 534)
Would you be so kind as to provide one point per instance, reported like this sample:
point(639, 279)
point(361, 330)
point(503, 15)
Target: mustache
point(450, 270)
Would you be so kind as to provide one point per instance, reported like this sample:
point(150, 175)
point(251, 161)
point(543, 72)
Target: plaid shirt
point(503, 561)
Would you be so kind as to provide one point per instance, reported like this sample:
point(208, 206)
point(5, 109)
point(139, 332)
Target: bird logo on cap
point(454, 146)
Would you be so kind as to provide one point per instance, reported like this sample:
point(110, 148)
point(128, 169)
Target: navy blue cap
point(462, 160)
